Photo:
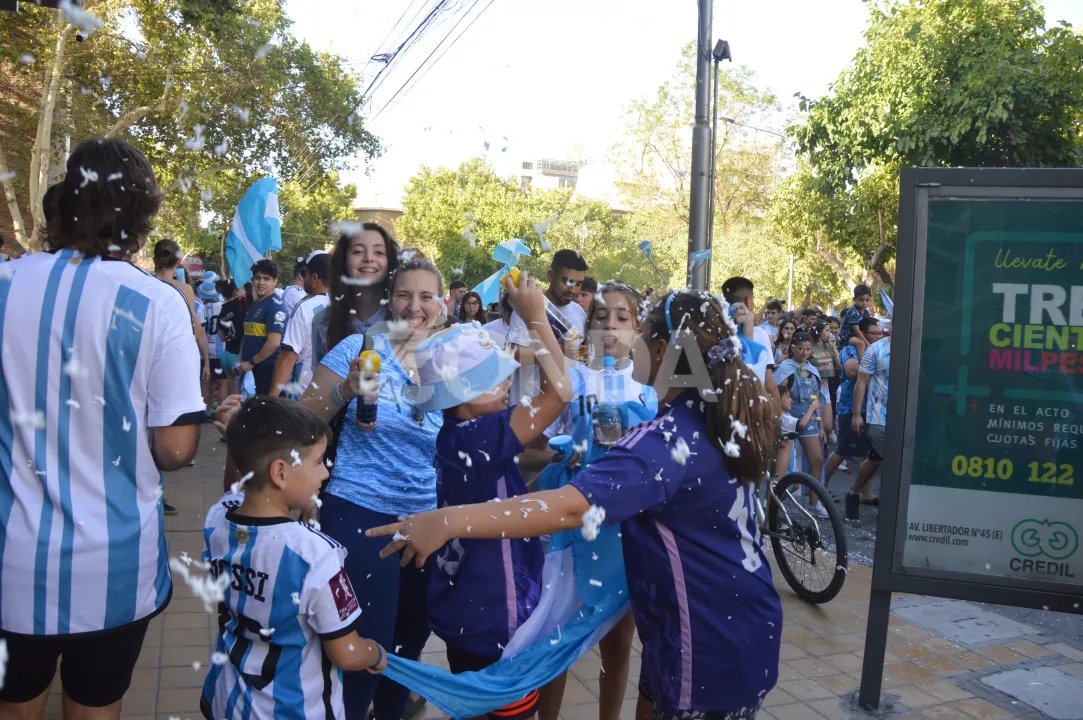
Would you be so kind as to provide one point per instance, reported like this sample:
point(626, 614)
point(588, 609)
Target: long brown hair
point(739, 394)
point(347, 296)
point(462, 307)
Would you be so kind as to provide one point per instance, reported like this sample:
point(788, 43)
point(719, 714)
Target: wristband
point(379, 658)
point(336, 395)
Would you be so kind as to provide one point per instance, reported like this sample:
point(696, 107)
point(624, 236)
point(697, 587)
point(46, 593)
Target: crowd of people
point(383, 433)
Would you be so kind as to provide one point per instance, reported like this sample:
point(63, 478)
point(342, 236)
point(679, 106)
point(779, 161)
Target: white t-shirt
point(292, 295)
point(209, 321)
point(766, 360)
point(287, 580)
point(298, 336)
point(525, 381)
point(497, 330)
point(95, 353)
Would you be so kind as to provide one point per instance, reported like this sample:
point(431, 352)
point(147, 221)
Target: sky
point(553, 77)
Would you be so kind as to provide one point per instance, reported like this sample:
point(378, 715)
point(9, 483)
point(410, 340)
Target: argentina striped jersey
point(288, 590)
point(95, 353)
point(577, 418)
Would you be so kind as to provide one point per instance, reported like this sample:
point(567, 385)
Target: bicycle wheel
point(811, 551)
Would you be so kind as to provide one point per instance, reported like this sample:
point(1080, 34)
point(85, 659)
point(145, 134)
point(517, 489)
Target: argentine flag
point(585, 593)
point(256, 229)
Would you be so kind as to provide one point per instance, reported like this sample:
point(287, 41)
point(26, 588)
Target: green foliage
point(967, 82)
point(441, 206)
point(165, 73)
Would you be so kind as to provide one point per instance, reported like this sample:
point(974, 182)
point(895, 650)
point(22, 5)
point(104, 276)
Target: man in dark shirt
point(264, 324)
point(231, 326)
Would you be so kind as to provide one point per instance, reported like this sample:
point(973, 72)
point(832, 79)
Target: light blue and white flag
point(585, 594)
point(889, 306)
point(507, 252)
point(256, 229)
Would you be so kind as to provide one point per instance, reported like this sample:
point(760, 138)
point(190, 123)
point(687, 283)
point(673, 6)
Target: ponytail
point(742, 421)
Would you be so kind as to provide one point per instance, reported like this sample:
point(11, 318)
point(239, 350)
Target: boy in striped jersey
point(286, 624)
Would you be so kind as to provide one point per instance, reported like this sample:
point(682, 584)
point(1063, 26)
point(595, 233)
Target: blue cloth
point(256, 229)
point(850, 317)
point(770, 329)
point(889, 306)
point(701, 589)
point(481, 591)
point(507, 252)
point(387, 592)
point(263, 318)
point(876, 363)
point(388, 469)
point(845, 399)
point(583, 597)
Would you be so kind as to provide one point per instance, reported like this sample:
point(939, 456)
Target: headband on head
point(669, 321)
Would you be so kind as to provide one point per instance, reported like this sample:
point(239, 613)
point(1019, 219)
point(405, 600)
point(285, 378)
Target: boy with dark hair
point(808, 318)
point(566, 274)
point(288, 606)
point(456, 292)
point(738, 291)
point(297, 360)
point(264, 324)
point(586, 293)
point(852, 316)
point(295, 291)
point(771, 313)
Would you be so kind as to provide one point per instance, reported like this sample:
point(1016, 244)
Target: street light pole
point(701, 150)
point(721, 52)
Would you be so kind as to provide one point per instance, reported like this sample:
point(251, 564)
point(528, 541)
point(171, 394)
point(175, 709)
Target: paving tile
point(940, 666)
point(833, 708)
point(575, 693)
point(185, 637)
point(844, 662)
point(183, 621)
point(184, 656)
point(944, 712)
point(1028, 649)
point(812, 667)
point(945, 691)
point(182, 677)
point(1075, 669)
point(178, 701)
point(911, 673)
point(805, 690)
point(840, 684)
point(138, 702)
point(787, 672)
point(144, 679)
point(1001, 654)
point(1069, 652)
point(795, 711)
point(791, 652)
point(972, 660)
point(980, 709)
point(914, 697)
point(778, 696)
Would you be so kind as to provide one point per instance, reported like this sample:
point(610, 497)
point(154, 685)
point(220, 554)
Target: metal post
point(701, 148)
point(872, 665)
point(789, 290)
point(714, 154)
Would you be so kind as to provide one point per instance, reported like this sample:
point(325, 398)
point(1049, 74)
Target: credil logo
point(1056, 540)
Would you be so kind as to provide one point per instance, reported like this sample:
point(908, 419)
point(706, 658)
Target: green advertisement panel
point(996, 481)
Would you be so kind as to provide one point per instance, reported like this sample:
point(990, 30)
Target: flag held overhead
point(256, 229)
point(507, 252)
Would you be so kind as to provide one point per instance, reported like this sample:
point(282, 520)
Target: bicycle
point(801, 544)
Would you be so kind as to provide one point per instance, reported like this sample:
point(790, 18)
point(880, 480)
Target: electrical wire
point(400, 90)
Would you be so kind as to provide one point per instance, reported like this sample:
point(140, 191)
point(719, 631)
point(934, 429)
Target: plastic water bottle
point(608, 431)
point(370, 390)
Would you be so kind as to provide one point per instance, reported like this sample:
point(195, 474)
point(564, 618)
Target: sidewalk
point(927, 675)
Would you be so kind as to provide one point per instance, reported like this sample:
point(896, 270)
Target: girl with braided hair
point(682, 489)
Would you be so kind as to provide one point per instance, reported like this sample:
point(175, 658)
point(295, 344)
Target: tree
point(962, 83)
point(214, 93)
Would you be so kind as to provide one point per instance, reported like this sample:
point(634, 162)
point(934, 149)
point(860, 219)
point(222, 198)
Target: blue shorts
point(228, 360)
point(813, 428)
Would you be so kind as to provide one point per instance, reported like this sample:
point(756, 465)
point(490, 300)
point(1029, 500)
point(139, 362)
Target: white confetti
point(89, 176)
point(198, 141)
point(26, 59)
point(296, 598)
point(316, 500)
point(125, 424)
point(7, 176)
point(266, 632)
point(196, 665)
point(399, 536)
point(221, 148)
point(3, 661)
point(296, 458)
point(206, 587)
point(592, 522)
point(219, 658)
point(35, 419)
point(239, 485)
point(595, 583)
point(680, 452)
point(465, 458)
point(75, 15)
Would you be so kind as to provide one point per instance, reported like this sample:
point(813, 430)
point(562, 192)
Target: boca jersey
point(287, 592)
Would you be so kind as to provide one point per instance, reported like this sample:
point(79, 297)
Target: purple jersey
point(704, 602)
point(481, 591)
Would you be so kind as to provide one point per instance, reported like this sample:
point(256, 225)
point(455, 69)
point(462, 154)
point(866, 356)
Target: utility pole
point(701, 150)
point(721, 52)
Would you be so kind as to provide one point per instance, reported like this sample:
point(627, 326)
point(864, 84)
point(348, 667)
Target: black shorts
point(96, 668)
point(216, 369)
point(460, 661)
point(745, 713)
point(850, 445)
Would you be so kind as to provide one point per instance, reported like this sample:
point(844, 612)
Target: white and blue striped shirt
point(95, 353)
point(876, 363)
point(287, 592)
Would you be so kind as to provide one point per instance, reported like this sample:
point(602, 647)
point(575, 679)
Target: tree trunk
point(876, 263)
point(132, 116)
point(13, 204)
point(831, 259)
point(40, 155)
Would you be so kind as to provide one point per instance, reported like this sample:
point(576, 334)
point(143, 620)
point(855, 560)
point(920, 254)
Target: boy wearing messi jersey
point(286, 624)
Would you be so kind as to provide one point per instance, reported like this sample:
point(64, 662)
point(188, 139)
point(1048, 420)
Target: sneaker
point(168, 509)
point(853, 507)
point(843, 467)
point(832, 438)
point(818, 510)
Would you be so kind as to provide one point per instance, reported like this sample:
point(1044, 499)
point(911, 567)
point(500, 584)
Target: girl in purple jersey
point(682, 488)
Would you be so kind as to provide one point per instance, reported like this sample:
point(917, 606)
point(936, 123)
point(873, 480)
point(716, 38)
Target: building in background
point(383, 216)
point(550, 174)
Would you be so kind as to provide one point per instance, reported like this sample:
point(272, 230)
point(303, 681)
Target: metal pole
point(872, 666)
point(701, 143)
point(714, 153)
point(789, 291)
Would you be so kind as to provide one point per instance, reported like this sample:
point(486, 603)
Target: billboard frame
point(890, 575)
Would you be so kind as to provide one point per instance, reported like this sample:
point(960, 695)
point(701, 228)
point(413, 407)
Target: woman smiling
point(383, 473)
